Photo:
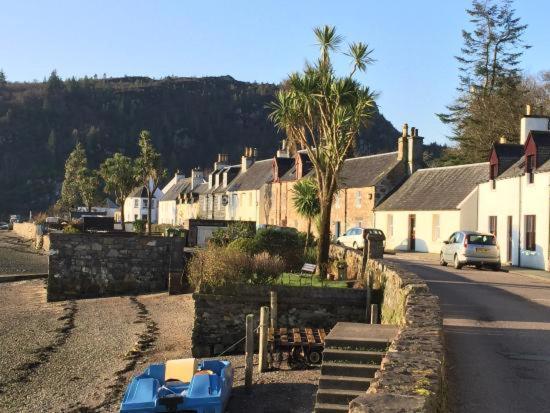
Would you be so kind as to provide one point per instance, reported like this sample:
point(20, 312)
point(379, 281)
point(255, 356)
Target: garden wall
point(412, 374)
point(28, 230)
point(98, 265)
point(220, 313)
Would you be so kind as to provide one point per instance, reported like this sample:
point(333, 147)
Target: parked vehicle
point(470, 248)
point(4, 225)
point(355, 237)
point(180, 385)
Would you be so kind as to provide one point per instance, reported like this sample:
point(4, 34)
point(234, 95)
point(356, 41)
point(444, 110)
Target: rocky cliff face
point(191, 119)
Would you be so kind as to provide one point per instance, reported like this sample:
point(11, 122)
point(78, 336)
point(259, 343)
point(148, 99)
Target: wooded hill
point(191, 119)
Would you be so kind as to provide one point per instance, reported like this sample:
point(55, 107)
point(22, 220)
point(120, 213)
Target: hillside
point(191, 119)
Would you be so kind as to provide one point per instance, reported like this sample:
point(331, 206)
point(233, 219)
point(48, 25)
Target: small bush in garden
point(236, 230)
point(71, 229)
point(284, 242)
point(311, 255)
point(247, 245)
point(139, 226)
point(215, 266)
point(266, 268)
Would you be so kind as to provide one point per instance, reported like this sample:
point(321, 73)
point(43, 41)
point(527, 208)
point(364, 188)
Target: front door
point(412, 232)
point(509, 240)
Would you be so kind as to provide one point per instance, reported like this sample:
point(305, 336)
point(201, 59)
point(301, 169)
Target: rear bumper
point(466, 259)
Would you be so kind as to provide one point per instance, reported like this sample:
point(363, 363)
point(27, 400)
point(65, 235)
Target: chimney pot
point(254, 152)
point(502, 140)
point(405, 131)
point(528, 110)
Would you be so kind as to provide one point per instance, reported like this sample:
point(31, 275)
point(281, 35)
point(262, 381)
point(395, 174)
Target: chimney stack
point(531, 122)
point(415, 150)
point(197, 177)
point(283, 152)
point(247, 159)
point(402, 144)
point(222, 161)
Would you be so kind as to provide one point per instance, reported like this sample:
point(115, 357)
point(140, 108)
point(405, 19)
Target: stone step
point(357, 356)
point(337, 396)
point(361, 345)
point(348, 369)
point(331, 408)
point(344, 382)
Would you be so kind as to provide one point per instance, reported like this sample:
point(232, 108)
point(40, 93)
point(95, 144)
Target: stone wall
point(353, 258)
point(26, 230)
point(411, 378)
point(97, 265)
point(220, 313)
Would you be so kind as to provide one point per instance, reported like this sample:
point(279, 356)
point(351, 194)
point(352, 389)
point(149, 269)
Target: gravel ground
point(18, 257)
point(78, 356)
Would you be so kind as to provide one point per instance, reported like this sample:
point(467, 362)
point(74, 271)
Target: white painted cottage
point(431, 205)
point(514, 204)
point(135, 206)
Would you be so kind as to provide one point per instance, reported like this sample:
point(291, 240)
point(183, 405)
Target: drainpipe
point(519, 222)
point(345, 209)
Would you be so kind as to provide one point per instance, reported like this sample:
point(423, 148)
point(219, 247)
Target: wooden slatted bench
point(308, 270)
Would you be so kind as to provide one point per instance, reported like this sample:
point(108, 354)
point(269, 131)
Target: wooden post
point(262, 353)
point(249, 357)
point(374, 314)
point(273, 309)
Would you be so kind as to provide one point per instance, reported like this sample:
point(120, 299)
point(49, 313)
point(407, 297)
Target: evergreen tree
point(149, 170)
point(54, 82)
point(490, 98)
point(70, 190)
point(3, 80)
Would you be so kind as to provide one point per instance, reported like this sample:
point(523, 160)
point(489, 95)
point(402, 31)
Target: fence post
point(374, 314)
point(273, 310)
point(249, 355)
point(262, 353)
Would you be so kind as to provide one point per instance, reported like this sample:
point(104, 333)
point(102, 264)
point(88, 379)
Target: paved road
point(497, 333)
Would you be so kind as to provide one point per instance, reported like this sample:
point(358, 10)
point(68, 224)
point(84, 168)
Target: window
point(358, 199)
point(389, 228)
point(530, 233)
point(136, 203)
point(436, 232)
point(478, 239)
point(337, 200)
point(459, 238)
point(531, 168)
point(145, 203)
point(250, 199)
point(493, 225)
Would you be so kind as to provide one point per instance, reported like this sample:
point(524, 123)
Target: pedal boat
point(181, 385)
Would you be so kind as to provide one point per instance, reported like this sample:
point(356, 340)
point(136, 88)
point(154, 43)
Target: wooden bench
point(308, 270)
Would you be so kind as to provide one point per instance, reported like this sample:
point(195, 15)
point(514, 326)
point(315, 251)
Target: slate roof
point(436, 189)
point(259, 173)
point(517, 169)
point(201, 189)
point(176, 189)
point(509, 150)
point(232, 172)
point(366, 170)
point(138, 192)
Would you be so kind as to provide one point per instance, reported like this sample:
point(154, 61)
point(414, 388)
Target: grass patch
point(294, 280)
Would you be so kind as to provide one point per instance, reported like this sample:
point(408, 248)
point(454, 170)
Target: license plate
point(482, 250)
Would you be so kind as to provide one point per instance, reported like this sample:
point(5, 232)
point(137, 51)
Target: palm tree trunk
point(150, 197)
point(307, 235)
point(324, 238)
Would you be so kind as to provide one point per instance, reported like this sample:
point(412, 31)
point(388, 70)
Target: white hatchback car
point(355, 237)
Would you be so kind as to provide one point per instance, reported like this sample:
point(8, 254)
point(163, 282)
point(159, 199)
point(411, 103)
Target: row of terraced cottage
point(417, 207)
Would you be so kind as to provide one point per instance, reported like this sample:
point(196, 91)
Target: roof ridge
point(453, 166)
point(372, 156)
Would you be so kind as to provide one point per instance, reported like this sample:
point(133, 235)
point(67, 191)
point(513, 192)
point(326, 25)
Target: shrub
point(284, 242)
point(216, 266)
point(224, 236)
point(247, 245)
point(139, 226)
point(266, 268)
point(71, 229)
point(311, 255)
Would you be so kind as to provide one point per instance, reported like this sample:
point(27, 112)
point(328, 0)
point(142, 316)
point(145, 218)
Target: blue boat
point(181, 385)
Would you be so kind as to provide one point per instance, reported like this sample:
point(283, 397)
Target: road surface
point(497, 334)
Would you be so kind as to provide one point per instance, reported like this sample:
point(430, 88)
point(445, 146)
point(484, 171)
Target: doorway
point(412, 232)
point(509, 240)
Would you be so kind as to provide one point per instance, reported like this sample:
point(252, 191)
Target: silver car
point(470, 248)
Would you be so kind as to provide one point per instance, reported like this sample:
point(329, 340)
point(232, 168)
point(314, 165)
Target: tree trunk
point(307, 235)
point(324, 238)
point(122, 215)
point(150, 197)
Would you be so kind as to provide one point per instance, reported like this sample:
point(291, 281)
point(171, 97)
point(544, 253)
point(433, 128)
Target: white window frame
point(358, 196)
point(389, 225)
point(436, 227)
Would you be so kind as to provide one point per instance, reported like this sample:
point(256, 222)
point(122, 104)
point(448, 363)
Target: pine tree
point(490, 98)
point(3, 80)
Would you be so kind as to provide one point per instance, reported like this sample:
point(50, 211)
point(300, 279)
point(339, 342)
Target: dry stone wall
point(97, 265)
point(220, 313)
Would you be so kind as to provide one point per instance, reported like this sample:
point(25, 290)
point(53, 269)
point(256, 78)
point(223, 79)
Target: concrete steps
point(352, 355)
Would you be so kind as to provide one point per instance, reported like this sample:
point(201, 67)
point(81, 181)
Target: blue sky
point(414, 41)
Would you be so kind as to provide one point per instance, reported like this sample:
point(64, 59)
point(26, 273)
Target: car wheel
point(478, 266)
point(442, 261)
point(496, 267)
point(457, 263)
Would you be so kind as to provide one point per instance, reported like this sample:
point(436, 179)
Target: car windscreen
point(481, 239)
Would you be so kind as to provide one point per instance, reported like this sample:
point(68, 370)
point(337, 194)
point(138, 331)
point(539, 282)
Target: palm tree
point(306, 202)
point(323, 113)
